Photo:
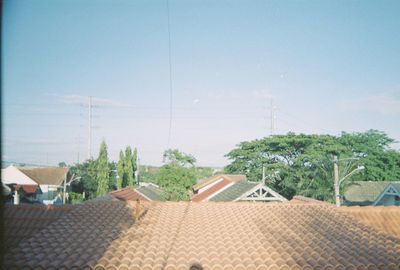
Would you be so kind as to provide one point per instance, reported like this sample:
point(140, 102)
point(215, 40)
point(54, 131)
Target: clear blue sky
point(330, 66)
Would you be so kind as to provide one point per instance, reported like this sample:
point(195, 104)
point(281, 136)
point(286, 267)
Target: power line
point(170, 77)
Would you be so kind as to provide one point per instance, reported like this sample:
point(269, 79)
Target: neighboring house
point(21, 185)
point(145, 192)
point(233, 188)
point(372, 193)
point(44, 183)
point(106, 234)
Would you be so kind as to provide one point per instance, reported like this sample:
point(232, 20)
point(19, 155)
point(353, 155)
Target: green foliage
point(62, 164)
point(121, 170)
point(175, 178)
point(302, 164)
point(75, 198)
point(129, 168)
point(103, 171)
point(86, 172)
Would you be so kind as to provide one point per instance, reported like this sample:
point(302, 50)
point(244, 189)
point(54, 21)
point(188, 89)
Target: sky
point(322, 67)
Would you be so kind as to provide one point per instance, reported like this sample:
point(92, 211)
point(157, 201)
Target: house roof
point(144, 193)
point(46, 176)
point(151, 192)
point(127, 194)
point(306, 200)
point(209, 192)
point(366, 191)
point(233, 192)
point(212, 179)
point(176, 235)
point(12, 175)
point(383, 218)
point(25, 220)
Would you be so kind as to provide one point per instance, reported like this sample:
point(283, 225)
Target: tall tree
point(134, 164)
point(121, 171)
point(129, 171)
point(302, 164)
point(103, 170)
point(177, 175)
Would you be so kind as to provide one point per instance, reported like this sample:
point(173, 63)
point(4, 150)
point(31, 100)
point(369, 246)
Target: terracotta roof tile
point(106, 235)
point(127, 194)
point(382, 218)
point(207, 193)
point(25, 220)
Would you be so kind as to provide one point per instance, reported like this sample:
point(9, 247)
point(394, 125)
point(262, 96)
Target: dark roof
point(151, 192)
point(233, 192)
point(365, 192)
point(45, 176)
point(25, 220)
point(168, 235)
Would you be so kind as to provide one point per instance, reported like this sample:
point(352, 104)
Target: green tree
point(177, 175)
point(103, 171)
point(86, 173)
point(302, 164)
point(129, 167)
point(121, 170)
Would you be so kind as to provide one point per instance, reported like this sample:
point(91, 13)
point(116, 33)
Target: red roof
point(27, 188)
point(127, 194)
point(205, 194)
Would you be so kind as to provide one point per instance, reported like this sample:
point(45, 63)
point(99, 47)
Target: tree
point(86, 173)
point(177, 175)
point(103, 170)
point(62, 164)
point(302, 164)
point(129, 167)
point(121, 170)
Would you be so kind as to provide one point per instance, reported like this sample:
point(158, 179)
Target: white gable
point(11, 175)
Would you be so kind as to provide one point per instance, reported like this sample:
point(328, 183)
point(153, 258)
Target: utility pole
point(65, 188)
point(336, 175)
point(263, 175)
point(90, 129)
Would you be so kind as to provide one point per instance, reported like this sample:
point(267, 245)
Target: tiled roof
point(212, 179)
point(45, 176)
point(151, 192)
point(127, 194)
point(105, 235)
point(383, 218)
point(25, 220)
point(305, 200)
point(209, 192)
point(365, 191)
point(233, 192)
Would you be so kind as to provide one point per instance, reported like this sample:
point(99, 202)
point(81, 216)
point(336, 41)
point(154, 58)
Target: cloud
point(375, 103)
point(96, 102)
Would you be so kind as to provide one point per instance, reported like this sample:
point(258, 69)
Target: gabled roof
point(214, 235)
point(214, 178)
point(143, 193)
point(45, 175)
point(233, 192)
point(151, 192)
point(12, 175)
point(366, 192)
point(212, 190)
point(127, 194)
